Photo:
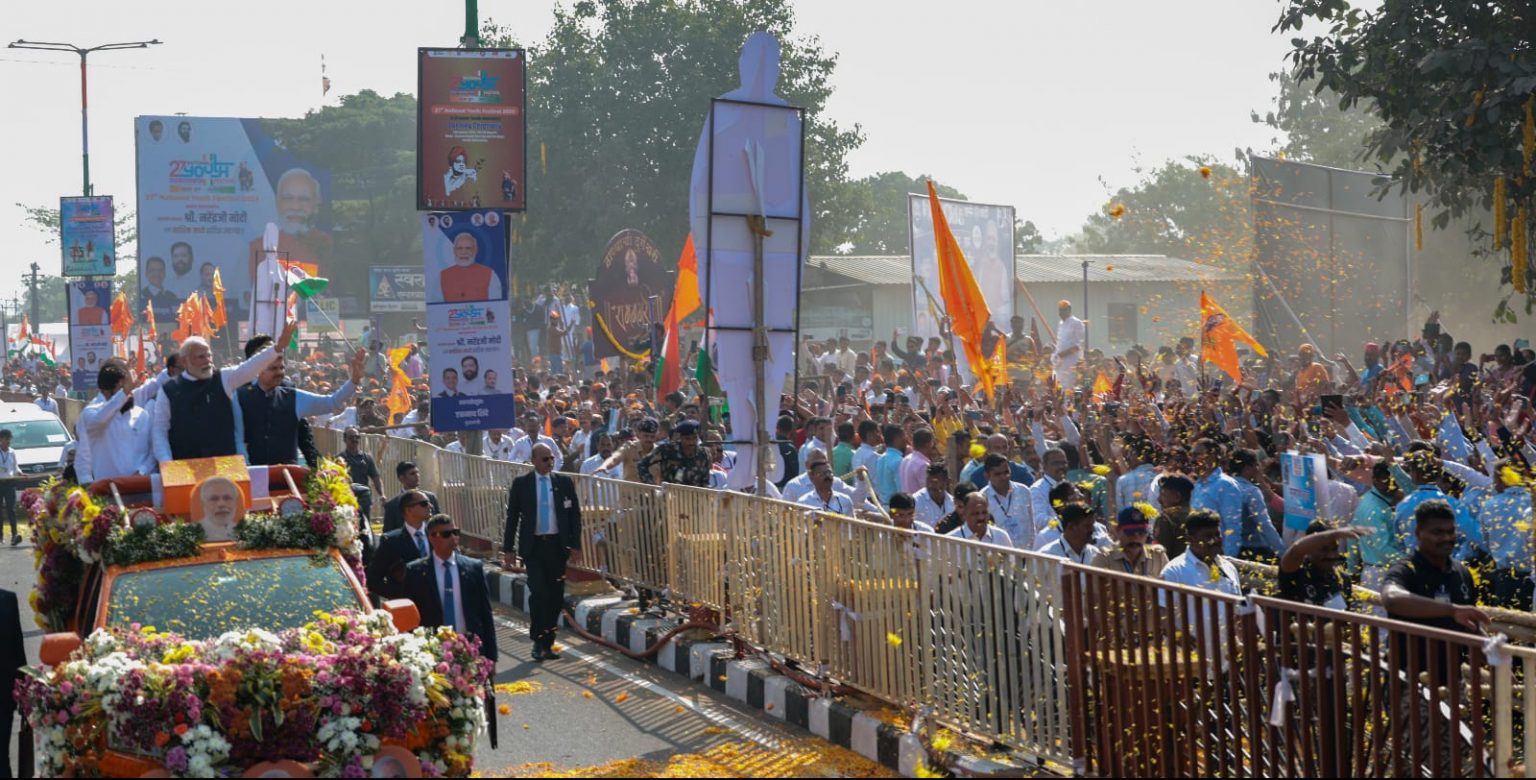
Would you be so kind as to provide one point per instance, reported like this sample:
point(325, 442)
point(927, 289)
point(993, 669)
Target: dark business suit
point(421, 586)
point(13, 656)
point(396, 548)
point(544, 556)
point(394, 516)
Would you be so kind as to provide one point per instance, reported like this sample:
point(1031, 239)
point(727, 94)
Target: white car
point(38, 437)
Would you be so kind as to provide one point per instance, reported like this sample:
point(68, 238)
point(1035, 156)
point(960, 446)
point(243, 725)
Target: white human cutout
point(269, 294)
point(756, 170)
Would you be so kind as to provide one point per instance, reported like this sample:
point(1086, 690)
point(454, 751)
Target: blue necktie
point(450, 616)
point(421, 545)
point(546, 500)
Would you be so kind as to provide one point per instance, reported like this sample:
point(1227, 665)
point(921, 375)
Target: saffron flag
point(399, 400)
point(149, 320)
point(1219, 335)
point(24, 336)
point(685, 301)
point(1101, 386)
point(220, 315)
point(121, 316)
point(967, 309)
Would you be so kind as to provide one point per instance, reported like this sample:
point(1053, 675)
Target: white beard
point(206, 373)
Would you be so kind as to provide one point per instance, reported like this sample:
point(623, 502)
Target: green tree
point(617, 94)
point(1314, 129)
point(882, 228)
point(1194, 209)
point(51, 302)
point(1452, 82)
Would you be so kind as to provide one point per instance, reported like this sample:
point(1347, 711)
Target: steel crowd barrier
point(1104, 672)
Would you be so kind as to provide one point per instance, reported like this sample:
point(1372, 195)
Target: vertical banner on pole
point(86, 237)
point(90, 330)
point(472, 149)
point(469, 319)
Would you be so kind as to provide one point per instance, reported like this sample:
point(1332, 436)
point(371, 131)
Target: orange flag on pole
point(685, 301)
point(399, 400)
point(220, 315)
point(121, 316)
point(1101, 387)
point(968, 312)
point(1219, 335)
point(149, 320)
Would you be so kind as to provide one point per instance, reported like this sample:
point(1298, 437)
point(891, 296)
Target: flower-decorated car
point(169, 654)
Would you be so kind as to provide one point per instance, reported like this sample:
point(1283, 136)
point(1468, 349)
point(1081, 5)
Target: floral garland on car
point(72, 530)
point(327, 694)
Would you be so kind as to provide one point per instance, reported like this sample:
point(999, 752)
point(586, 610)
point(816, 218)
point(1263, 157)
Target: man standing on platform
point(544, 524)
point(1070, 335)
point(195, 415)
point(271, 408)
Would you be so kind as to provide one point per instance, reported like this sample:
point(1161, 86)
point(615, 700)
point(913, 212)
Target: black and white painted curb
point(751, 681)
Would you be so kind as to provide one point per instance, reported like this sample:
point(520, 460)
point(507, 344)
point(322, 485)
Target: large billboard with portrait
point(90, 330)
point(469, 319)
point(629, 273)
point(472, 150)
point(207, 187)
point(86, 237)
point(985, 235)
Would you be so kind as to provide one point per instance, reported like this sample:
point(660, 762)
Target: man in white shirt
point(933, 503)
point(817, 431)
point(1008, 502)
point(1053, 469)
point(1071, 334)
point(802, 485)
point(1076, 540)
point(594, 465)
point(847, 359)
point(114, 428)
point(46, 403)
point(9, 472)
point(496, 445)
point(978, 526)
point(869, 438)
point(1202, 565)
point(822, 495)
point(522, 448)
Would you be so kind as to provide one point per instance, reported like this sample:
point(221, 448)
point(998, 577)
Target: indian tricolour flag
point(302, 282)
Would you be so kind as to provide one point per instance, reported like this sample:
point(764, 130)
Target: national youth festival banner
point(86, 237)
point(472, 150)
point(90, 330)
point(985, 234)
point(469, 319)
point(207, 187)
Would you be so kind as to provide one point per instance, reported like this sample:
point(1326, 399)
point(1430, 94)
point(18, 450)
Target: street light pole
point(85, 134)
point(1086, 318)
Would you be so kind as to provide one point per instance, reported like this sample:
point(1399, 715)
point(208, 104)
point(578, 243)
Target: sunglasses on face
point(446, 534)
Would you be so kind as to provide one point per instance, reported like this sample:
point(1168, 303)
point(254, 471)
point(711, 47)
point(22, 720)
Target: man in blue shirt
point(887, 470)
point(1426, 472)
point(1503, 513)
point(1378, 549)
point(997, 444)
point(1221, 494)
point(1258, 530)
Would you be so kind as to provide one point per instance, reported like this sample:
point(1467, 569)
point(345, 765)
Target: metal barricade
point(623, 531)
point(696, 526)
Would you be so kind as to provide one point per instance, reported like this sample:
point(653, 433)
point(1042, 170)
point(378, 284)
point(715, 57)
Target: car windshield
point(206, 600)
point(36, 433)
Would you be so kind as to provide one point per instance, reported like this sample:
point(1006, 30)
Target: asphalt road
point(595, 713)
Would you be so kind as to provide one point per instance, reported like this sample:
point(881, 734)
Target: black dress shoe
point(550, 654)
point(538, 653)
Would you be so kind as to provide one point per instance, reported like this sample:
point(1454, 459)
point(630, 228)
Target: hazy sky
point(1023, 102)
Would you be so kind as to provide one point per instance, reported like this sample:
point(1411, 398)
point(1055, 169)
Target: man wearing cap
point(1071, 334)
point(679, 460)
point(630, 454)
point(1135, 553)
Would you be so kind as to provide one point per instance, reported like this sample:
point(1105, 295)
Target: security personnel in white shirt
point(1008, 502)
point(496, 445)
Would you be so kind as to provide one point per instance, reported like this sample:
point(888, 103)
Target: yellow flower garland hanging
point(598, 318)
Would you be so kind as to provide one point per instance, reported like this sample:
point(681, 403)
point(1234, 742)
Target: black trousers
point(546, 587)
point(8, 506)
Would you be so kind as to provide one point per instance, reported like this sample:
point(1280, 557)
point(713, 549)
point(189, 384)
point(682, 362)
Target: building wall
point(1163, 311)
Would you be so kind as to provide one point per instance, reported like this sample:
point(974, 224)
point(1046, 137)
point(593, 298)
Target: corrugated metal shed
point(1037, 269)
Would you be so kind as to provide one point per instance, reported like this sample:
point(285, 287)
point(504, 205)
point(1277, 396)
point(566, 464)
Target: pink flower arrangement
point(327, 694)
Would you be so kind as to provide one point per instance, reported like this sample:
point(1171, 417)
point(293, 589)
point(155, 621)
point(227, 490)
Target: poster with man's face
point(86, 236)
point(464, 254)
point(90, 330)
point(469, 319)
point(985, 235)
point(629, 273)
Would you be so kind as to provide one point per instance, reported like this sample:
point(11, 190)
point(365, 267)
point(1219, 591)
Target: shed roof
point(1037, 269)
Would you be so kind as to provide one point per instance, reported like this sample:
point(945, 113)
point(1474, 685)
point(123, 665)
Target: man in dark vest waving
point(195, 412)
point(271, 408)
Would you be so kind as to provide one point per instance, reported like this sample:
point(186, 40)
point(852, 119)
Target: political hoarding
point(985, 233)
point(396, 288)
point(90, 330)
point(86, 236)
point(627, 277)
point(207, 187)
point(469, 319)
point(1303, 474)
point(471, 116)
